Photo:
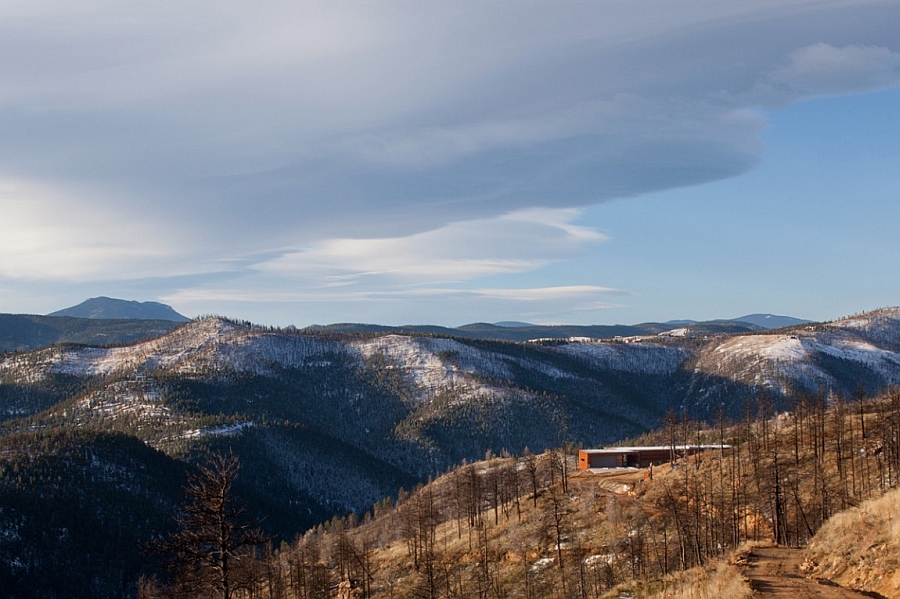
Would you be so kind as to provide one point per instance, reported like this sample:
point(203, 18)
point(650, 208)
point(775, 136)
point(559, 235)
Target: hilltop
point(522, 331)
point(110, 308)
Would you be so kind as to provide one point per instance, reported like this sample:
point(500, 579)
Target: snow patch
point(542, 564)
point(600, 559)
point(226, 430)
point(433, 365)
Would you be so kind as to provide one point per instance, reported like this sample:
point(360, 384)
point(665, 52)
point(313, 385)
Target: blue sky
point(431, 162)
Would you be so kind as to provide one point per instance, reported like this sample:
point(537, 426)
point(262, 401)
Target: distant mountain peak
point(109, 308)
point(512, 324)
point(680, 323)
point(771, 321)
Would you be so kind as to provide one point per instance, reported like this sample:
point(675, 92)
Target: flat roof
point(616, 450)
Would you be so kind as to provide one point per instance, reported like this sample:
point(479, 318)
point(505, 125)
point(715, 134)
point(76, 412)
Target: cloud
point(462, 251)
point(436, 268)
point(822, 69)
point(397, 142)
point(45, 233)
point(522, 294)
point(434, 305)
point(548, 293)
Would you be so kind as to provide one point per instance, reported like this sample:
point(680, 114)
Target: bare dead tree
point(214, 545)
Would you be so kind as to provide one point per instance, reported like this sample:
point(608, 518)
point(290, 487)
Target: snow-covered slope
point(209, 345)
point(810, 358)
point(859, 351)
point(430, 381)
point(879, 327)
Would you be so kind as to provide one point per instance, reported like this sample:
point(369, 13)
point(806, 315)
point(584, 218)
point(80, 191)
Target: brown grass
point(860, 547)
point(718, 580)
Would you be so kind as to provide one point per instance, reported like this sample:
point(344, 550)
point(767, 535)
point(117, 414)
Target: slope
point(859, 548)
point(74, 509)
point(528, 526)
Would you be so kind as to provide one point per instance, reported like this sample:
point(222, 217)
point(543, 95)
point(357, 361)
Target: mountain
point(97, 321)
point(513, 324)
point(680, 323)
point(415, 404)
point(109, 308)
point(771, 321)
point(328, 423)
point(757, 321)
point(76, 507)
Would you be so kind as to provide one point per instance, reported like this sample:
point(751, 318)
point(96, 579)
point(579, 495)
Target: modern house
point(638, 457)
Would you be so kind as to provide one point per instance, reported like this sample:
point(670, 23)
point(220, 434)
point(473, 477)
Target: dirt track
point(775, 572)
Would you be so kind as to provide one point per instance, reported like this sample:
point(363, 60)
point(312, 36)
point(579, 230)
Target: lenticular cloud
point(233, 129)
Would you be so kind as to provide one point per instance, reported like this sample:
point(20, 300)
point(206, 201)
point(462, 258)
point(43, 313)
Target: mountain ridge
point(420, 369)
point(111, 308)
point(771, 321)
point(530, 332)
point(104, 320)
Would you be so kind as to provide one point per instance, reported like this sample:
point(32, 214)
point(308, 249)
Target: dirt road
point(774, 572)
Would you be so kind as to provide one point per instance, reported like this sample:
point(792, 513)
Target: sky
point(412, 162)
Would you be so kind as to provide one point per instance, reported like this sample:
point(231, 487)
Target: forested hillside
point(530, 526)
point(24, 332)
point(75, 508)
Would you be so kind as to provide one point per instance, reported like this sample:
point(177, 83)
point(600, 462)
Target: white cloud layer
point(516, 242)
point(433, 266)
point(410, 143)
point(823, 69)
